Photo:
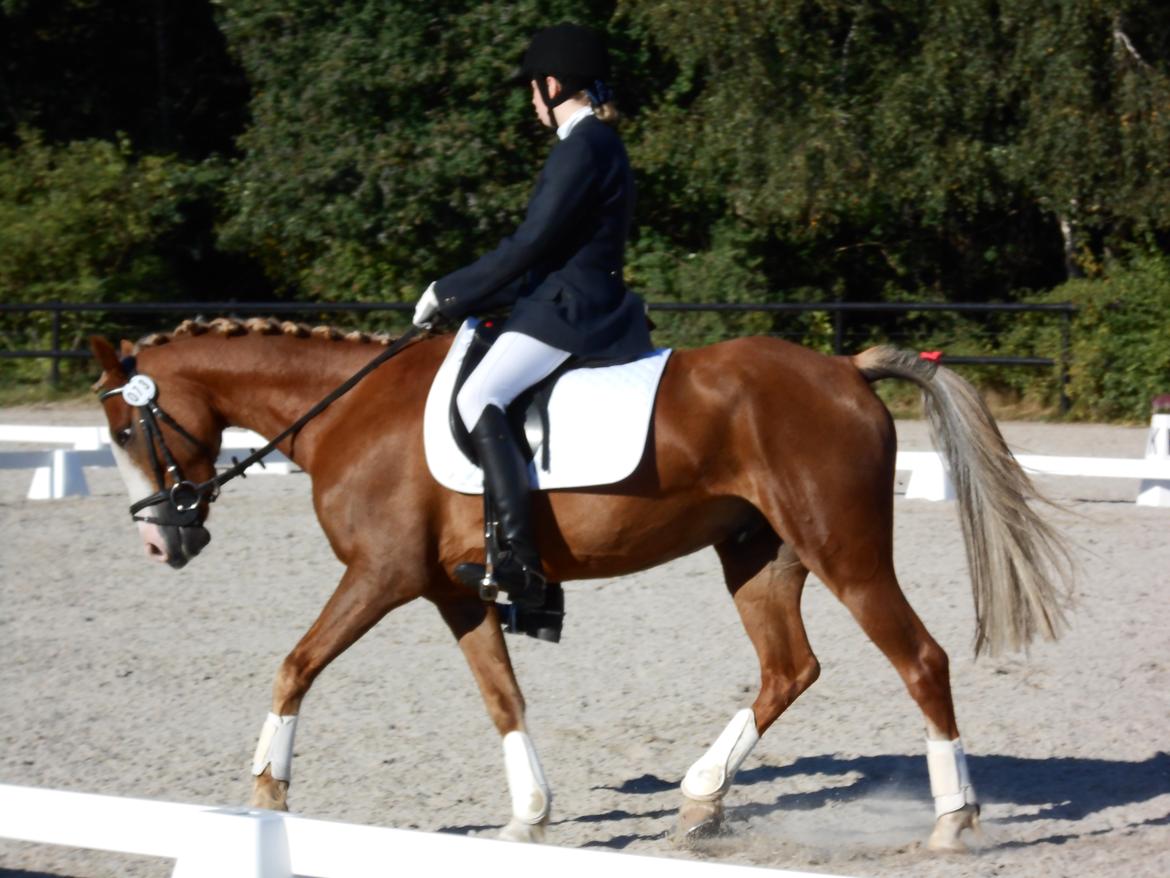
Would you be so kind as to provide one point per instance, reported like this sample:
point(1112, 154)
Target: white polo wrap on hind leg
point(950, 784)
point(275, 746)
point(531, 796)
point(709, 778)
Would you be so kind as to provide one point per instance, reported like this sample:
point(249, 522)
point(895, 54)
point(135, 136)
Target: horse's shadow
point(1062, 788)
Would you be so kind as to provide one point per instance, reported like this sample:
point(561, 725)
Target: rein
point(185, 496)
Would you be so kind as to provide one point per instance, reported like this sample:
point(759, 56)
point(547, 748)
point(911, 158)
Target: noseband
point(185, 497)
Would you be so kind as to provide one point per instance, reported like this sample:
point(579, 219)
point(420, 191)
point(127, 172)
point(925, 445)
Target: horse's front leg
point(477, 628)
point(364, 595)
point(766, 580)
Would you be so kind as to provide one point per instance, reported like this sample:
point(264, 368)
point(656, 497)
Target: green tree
point(793, 149)
point(1120, 339)
point(87, 222)
point(907, 146)
point(384, 147)
point(157, 71)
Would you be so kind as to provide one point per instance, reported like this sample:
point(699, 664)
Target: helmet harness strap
point(549, 103)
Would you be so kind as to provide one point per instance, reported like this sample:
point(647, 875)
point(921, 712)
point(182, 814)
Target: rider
point(561, 273)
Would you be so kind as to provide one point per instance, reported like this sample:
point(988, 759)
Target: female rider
point(561, 274)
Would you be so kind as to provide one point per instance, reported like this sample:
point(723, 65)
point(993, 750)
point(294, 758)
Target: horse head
point(165, 440)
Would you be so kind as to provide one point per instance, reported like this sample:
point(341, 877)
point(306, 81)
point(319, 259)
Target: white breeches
point(513, 364)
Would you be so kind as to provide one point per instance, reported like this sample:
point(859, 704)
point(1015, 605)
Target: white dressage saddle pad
point(598, 421)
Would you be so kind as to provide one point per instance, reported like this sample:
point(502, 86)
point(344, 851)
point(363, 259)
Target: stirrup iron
point(480, 578)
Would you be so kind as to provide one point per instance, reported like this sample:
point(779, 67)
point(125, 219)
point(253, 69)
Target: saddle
point(595, 412)
point(584, 425)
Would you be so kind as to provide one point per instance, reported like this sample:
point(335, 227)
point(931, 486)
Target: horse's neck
point(265, 383)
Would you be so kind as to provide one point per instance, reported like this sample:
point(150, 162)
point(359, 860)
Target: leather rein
point(185, 497)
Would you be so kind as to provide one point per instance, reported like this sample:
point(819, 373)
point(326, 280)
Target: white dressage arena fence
point(61, 472)
point(242, 843)
point(929, 479)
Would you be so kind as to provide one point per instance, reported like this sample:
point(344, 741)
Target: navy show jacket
point(561, 270)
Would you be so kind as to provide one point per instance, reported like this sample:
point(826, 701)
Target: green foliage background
point(786, 150)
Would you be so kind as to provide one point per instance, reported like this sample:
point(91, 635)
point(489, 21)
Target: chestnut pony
point(779, 457)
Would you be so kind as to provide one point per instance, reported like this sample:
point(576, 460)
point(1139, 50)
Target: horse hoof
point(948, 830)
point(269, 794)
point(529, 833)
point(699, 820)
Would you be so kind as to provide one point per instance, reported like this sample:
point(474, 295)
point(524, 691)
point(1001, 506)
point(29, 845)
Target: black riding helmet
point(576, 56)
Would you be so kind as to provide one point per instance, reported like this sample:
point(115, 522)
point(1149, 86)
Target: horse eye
point(122, 437)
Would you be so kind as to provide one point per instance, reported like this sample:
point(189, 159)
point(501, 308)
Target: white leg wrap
point(531, 797)
point(710, 777)
point(275, 746)
point(950, 784)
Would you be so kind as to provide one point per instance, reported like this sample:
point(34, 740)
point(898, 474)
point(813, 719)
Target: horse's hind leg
point(477, 629)
point(362, 598)
point(766, 580)
point(878, 604)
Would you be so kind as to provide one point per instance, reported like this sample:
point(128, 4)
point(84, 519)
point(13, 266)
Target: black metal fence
point(840, 312)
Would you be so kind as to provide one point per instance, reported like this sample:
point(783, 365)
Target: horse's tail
point(1016, 559)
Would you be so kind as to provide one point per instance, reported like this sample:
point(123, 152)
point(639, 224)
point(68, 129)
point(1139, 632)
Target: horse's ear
point(112, 373)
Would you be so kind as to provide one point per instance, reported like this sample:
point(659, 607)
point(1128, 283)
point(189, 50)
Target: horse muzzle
point(173, 544)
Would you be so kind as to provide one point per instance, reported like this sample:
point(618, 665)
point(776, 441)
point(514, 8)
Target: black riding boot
point(505, 476)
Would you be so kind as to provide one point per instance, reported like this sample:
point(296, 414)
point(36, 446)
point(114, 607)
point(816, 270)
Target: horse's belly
point(602, 535)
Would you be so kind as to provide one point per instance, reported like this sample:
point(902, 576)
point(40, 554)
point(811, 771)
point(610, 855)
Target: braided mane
point(231, 326)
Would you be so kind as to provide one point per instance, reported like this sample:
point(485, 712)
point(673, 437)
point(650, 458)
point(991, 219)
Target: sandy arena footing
point(124, 677)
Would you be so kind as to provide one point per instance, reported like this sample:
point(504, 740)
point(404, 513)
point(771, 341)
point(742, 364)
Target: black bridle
point(184, 498)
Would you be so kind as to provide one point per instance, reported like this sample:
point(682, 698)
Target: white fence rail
point(929, 479)
point(240, 843)
point(61, 472)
